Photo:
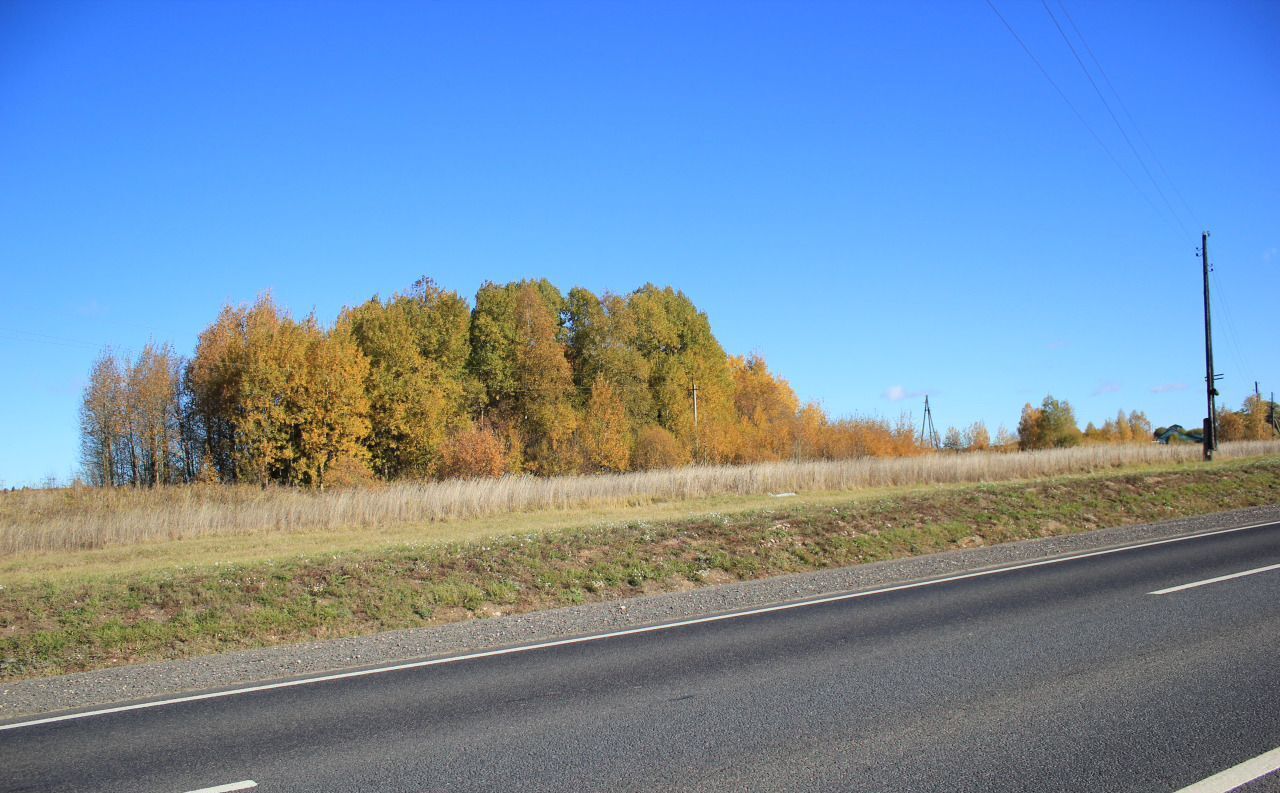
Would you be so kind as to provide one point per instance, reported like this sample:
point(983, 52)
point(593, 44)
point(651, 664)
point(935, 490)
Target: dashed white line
point(613, 634)
point(227, 788)
point(1237, 775)
point(1195, 584)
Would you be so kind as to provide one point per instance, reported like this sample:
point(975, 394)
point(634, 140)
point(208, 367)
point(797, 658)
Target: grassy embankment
point(111, 598)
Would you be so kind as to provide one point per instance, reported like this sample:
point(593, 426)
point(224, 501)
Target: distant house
point(1176, 434)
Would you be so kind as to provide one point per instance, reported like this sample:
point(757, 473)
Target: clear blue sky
point(883, 199)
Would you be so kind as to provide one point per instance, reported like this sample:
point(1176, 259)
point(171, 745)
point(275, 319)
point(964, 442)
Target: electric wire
point(1141, 161)
point(1222, 298)
point(1124, 107)
point(1073, 107)
point(1233, 339)
point(28, 336)
point(1179, 222)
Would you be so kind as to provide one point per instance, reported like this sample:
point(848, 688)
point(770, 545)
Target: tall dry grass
point(83, 518)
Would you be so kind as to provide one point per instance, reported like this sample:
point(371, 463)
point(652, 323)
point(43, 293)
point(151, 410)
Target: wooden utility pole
point(1210, 423)
point(696, 441)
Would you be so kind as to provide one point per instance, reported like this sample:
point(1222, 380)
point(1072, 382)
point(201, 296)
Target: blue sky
point(883, 199)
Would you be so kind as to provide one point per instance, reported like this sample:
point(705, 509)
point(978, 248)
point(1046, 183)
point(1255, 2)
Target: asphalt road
point(1065, 677)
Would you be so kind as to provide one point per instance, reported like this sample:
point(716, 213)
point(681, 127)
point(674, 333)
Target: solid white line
point(1195, 584)
point(245, 785)
point(1238, 775)
point(626, 632)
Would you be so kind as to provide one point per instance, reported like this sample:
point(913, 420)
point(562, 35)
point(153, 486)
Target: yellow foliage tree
point(1256, 413)
point(415, 384)
point(977, 439)
point(766, 408)
point(281, 401)
point(214, 377)
point(331, 410)
point(605, 431)
point(102, 421)
point(811, 426)
point(544, 386)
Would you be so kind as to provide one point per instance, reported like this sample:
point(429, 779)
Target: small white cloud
point(1107, 388)
point(1165, 388)
point(896, 393)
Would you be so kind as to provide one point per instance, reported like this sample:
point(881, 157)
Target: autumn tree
point(1139, 427)
point(602, 342)
point(1256, 413)
point(811, 427)
point(494, 335)
point(542, 384)
point(130, 420)
point(1231, 425)
point(605, 431)
point(281, 401)
point(331, 410)
point(1005, 440)
point(953, 440)
point(417, 384)
point(152, 414)
point(1120, 429)
point(1052, 425)
point(213, 383)
point(766, 408)
point(1030, 433)
point(676, 339)
point(102, 421)
point(976, 437)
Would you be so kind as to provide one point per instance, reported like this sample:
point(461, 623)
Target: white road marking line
point(245, 785)
point(1238, 775)
point(1207, 581)
point(613, 634)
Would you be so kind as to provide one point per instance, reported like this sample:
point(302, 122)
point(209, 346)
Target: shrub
point(349, 472)
point(656, 448)
point(474, 453)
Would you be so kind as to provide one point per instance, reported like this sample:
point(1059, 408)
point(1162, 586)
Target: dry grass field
point(39, 521)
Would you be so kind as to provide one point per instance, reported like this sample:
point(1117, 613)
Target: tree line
point(524, 379)
point(424, 385)
point(1053, 425)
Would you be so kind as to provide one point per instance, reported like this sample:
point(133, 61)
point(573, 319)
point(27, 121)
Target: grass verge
point(54, 624)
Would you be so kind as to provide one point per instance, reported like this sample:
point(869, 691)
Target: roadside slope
point(72, 624)
point(975, 519)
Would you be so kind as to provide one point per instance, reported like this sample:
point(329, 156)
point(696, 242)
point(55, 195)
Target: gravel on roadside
point(210, 673)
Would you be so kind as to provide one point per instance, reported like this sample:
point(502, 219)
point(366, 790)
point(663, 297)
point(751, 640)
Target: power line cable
point(28, 336)
point(1232, 337)
point(1071, 105)
point(1141, 161)
point(1124, 107)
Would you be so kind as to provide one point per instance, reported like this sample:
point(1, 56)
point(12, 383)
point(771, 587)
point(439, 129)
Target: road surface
point(1069, 676)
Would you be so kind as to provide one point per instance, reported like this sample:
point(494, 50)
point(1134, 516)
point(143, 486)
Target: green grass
point(67, 619)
